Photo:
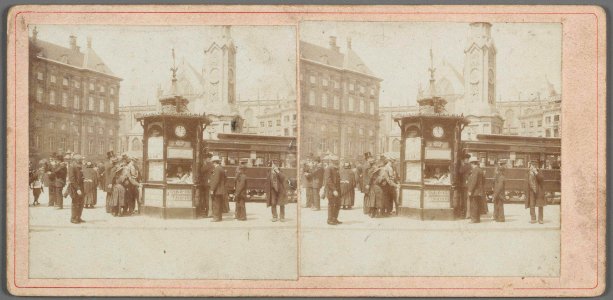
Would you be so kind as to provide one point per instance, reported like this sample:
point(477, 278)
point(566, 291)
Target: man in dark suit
point(240, 194)
point(277, 193)
point(75, 189)
point(499, 191)
point(535, 197)
point(317, 172)
point(108, 179)
point(332, 191)
point(218, 188)
point(463, 206)
point(475, 190)
point(60, 171)
point(205, 173)
point(308, 182)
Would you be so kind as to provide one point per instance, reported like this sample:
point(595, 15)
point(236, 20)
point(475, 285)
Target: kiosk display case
point(428, 158)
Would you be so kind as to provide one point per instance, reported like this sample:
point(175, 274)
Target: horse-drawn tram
point(517, 151)
point(257, 153)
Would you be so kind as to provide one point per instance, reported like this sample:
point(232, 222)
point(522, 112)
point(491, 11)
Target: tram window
point(179, 173)
point(437, 174)
point(232, 159)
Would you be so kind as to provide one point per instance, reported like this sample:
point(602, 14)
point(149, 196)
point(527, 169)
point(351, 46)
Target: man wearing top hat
point(75, 189)
point(463, 206)
point(277, 193)
point(317, 172)
point(218, 188)
point(60, 171)
point(536, 194)
point(475, 190)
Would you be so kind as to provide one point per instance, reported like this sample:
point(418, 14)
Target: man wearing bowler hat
point(75, 189)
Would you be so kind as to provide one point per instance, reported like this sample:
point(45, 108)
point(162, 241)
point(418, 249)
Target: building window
point(64, 99)
point(90, 103)
point(51, 125)
point(371, 133)
point(312, 79)
point(63, 126)
point(556, 118)
point(112, 91)
point(556, 133)
point(269, 123)
point(531, 124)
point(90, 129)
point(52, 78)
point(39, 94)
point(111, 132)
point(312, 98)
point(112, 107)
point(336, 84)
point(523, 125)
point(91, 86)
point(63, 143)
point(286, 119)
point(362, 89)
point(101, 105)
point(324, 82)
point(372, 108)
point(362, 105)
point(278, 122)
point(101, 88)
point(76, 102)
point(65, 81)
point(294, 117)
point(540, 123)
point(75, 146)
point(351, 86)
point(361, 131)
point(336, 102)
point(76, 84)
point(324, 100)
point(101, 146)
point(90, 147)
point(286, 132)
point(372, 91)
point(52, 97)
point(262, 124)
point(350, 104)
point(548, 120)
point(39, 76)
point(547, 133)
point(100, 130)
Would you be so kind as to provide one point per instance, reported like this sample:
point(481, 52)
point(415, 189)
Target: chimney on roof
point(332, 43)
point(73, 42)
point(349, 43)
point(89, 42)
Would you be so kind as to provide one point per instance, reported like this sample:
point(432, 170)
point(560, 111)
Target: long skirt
point(119, 196)
point(90, 193)
point(240, 211)
point(52, 194)
point(109, 201)
point(348, 199)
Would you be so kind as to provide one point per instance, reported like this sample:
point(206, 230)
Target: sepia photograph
point(423, 144)
point(151, 146)
point(306, 151)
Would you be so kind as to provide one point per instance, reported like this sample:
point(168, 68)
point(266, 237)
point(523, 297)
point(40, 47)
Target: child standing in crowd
point(37, 185)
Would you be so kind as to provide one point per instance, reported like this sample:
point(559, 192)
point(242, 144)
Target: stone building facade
point(339, 102)
point(73, 98)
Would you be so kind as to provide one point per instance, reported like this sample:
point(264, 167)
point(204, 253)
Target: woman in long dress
point(118, 198)
point(90, 183)
point(348, 184)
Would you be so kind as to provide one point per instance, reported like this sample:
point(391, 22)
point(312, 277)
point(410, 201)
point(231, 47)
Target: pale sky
point(141, 55)
point(398, 53)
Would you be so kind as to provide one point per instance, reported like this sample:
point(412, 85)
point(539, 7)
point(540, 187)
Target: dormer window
point(64, 59)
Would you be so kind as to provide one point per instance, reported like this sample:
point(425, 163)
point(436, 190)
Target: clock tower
point(480, 71)
point(219, 73)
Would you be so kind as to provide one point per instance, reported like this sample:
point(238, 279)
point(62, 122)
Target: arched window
point(137, 145)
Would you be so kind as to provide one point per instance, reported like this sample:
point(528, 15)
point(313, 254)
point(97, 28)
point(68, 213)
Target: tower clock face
point(214, 75)
point(438, 131)
point(180, 131)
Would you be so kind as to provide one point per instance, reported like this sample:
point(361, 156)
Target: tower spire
point(174, 73)
point(431, 70)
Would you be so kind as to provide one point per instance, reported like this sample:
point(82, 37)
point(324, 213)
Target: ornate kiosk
point(172, 144)
point(429, 159)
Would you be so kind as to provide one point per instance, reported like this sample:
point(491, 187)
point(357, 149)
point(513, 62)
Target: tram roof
point(417, 115)
point(517, 138)
point(174, 115)
point(246, 136)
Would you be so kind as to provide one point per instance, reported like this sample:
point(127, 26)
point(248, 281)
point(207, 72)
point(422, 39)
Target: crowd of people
point(71, 176)
point(379, 182)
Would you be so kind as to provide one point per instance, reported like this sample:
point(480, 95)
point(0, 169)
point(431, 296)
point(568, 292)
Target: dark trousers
point(36, 192)
point(77, 207)
point(52, 195)
point(59, 198)
point(533, 213)
point(499, 209)
point(218, 205)
point(309, 197)
point(316, 202)
point(462, 203)
point(273, 209)
point(130, 198)
point(204, 202)
point(240, 212)
point(475, 204)
point(334, 206)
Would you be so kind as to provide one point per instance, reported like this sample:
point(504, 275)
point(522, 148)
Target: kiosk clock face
point(180, 131)
point(438, 131)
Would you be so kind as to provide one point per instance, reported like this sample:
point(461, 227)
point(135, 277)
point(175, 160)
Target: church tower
point(480, 83)
point(480, 71)
point(219, 73)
